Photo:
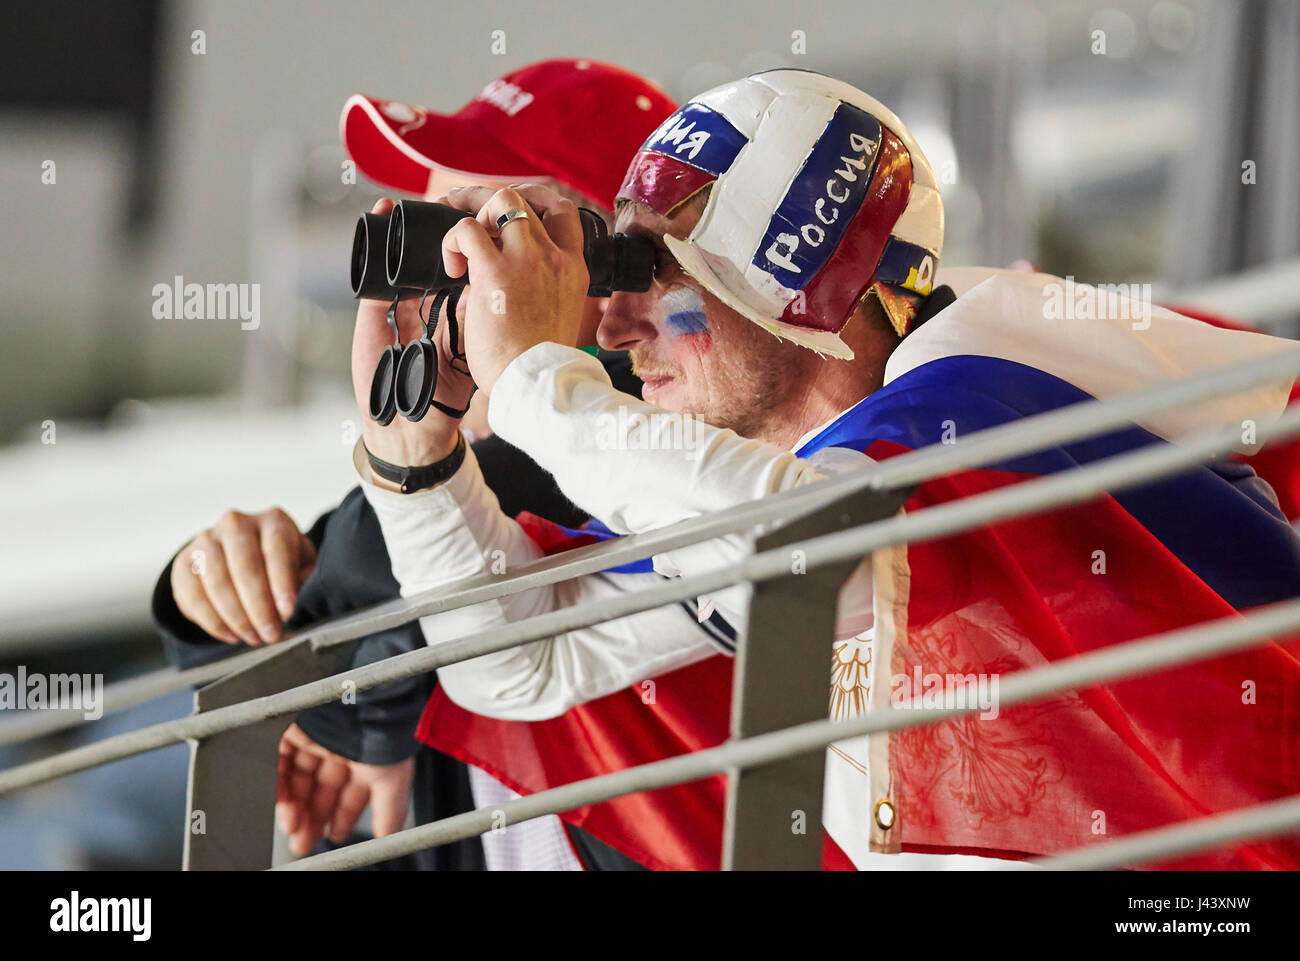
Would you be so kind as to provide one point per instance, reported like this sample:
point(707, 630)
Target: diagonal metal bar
point(1256, 822)
point(1131, 659)
point(1074, 486)
point(993, 444)
point(121, 695)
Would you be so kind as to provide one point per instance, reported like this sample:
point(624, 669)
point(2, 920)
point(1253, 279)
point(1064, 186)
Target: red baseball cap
point(576, 121)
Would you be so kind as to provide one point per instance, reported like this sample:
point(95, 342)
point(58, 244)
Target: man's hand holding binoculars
point(522, 251)
point(527, 277)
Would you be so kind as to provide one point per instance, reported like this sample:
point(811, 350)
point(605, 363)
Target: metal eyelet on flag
point(884, 814)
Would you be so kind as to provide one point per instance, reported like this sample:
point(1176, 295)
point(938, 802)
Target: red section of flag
point(1040, 778)
point(661, 182)
point(676, 828)
point(1124, 757)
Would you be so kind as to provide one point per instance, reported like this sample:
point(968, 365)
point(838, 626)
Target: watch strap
point(412, 479)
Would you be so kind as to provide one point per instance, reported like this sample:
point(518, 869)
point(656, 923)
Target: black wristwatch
point(412, 479)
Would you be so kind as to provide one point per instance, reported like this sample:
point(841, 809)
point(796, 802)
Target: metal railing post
point(782, 677)
point(230, 824)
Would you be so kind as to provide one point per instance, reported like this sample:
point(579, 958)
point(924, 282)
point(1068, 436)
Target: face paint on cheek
point(684, 318)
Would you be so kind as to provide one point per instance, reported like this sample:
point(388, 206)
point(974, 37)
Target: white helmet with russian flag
point(819, 196)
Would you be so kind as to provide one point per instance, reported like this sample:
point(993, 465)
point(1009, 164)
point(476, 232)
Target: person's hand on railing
point(319, 791)
point(239, 579)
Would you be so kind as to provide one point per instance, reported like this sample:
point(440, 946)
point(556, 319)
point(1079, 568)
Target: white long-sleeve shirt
point(628, 463)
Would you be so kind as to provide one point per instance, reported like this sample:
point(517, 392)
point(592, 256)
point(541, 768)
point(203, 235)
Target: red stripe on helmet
point(829, 298)
point(661, 182)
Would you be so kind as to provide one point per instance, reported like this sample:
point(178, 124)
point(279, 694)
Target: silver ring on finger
point(509, 215)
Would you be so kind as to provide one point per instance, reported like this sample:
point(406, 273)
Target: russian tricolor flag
point(1072, 770)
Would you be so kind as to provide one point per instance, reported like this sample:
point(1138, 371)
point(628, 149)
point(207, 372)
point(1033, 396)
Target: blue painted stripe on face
point(683, 310)
point(687, 322)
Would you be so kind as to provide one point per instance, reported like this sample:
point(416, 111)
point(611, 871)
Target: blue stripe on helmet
point(907, 265)
point(699, 136)
point(822, 199)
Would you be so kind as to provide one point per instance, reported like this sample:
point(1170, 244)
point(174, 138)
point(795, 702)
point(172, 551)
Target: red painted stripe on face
point(830, 297)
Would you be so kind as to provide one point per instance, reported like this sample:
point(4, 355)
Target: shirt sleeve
point(618, 458)
point(456, 530)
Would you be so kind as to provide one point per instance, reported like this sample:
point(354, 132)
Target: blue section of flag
point(822, 199)
point(1221, 520)
point(699, 136)
point(603, 533)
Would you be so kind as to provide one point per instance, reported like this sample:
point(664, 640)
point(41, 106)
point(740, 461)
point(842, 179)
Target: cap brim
point(402, 153)
point(697, 265)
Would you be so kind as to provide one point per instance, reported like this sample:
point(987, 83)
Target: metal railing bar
point(1131, 659)
point(977, 449)
point(987, 446)
point(124, 694)
point(1018, 500)
point(1263, 296)
point(1258, 821)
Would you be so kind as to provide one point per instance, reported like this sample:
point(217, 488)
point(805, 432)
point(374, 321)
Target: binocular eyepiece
point(399, 256)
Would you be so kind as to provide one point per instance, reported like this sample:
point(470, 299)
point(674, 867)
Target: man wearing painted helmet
point(792, 204)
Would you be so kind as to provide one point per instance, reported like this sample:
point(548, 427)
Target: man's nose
point(626, 323)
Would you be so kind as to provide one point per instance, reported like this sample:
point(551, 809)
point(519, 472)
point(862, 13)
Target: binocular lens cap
point(383, 405)
point(417, 376)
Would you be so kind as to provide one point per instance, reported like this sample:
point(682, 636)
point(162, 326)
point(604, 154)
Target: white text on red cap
point(506, 96)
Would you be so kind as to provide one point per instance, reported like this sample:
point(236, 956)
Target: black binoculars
point(399, 256)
